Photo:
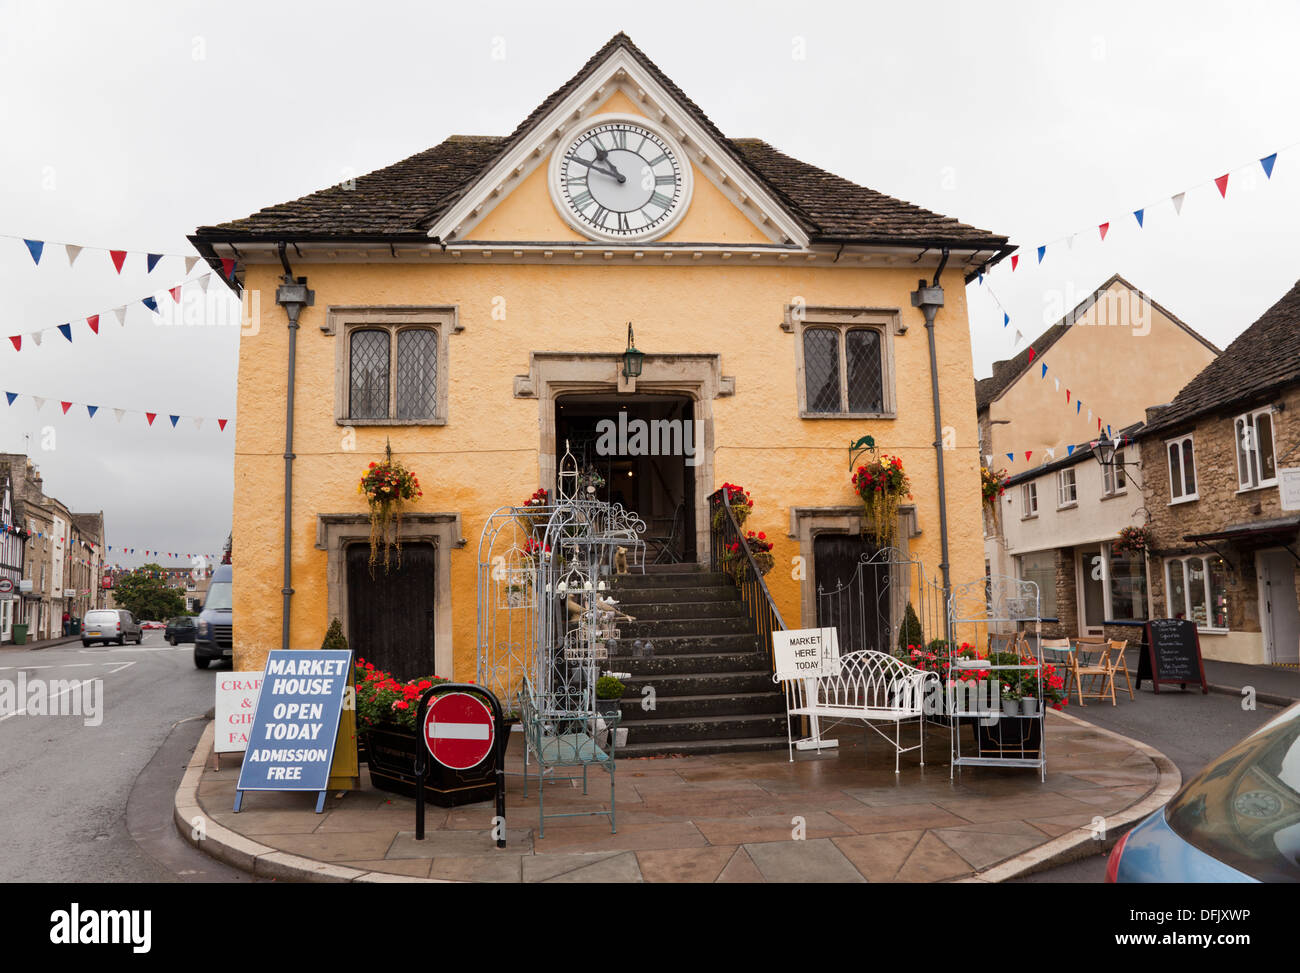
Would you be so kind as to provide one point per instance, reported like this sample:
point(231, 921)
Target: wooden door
point(391, 616)
point(852, 599)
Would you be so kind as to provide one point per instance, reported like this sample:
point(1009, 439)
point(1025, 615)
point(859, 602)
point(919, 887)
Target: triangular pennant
point(151, 303)
point(981, 279)
point(1178, 203)
point(1019, 336)
point(1138, 213)
point(1044, 375)
point(175, 292)
point(1006, 319)
point(1051, 453)
point(119, 258)
point(36, 337)
point(151, 261)
point(151, 416)
point(1099, 423)
point(92, 409)
point(73, 251)
point(1015, 260)
point(1069, 450)
point(1031, 355)
point(39, 402)
point(1028, 453)
point(1103, 227)
point(11, 396)
point(198, 422)
point(1078, 404)
point(1041, 253)
point(35, 247)
point(66, 331)
point(1058, 383)
point(174, 419)
point(227, 268)
point(1222, 184)
point(121, 315)
point(93, 321)
point(1069, 242)
point(988, 460)
point(66, 406)
point(1067, 395)
point(1267, 163)
point(1090, 415)
point(189, 264)
point(119, 413)
point(222, 424)
point(17, 339)
point(1011, 457)
point(203, 282)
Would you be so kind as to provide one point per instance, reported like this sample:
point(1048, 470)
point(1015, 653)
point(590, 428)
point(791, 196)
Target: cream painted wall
point(1092, 519)
point(1119, 357)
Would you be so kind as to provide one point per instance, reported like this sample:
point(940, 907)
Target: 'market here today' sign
point(291, 745)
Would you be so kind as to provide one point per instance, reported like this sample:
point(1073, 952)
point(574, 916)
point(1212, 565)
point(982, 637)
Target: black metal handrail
point(761, 610)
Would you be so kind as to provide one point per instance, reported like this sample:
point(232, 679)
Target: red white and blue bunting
point(66, 406)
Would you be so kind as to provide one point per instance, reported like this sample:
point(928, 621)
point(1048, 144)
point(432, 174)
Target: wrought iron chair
point(666, 552)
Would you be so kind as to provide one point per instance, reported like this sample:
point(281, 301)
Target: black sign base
point(422, 756)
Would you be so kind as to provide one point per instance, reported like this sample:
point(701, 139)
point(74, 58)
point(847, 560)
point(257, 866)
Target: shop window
point(1256, 462)
point(1182, 470)
point(1126, 587)
point(1198, 590)
point(1040, 568)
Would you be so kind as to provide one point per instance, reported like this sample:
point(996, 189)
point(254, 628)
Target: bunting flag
point(35, 248)
point(1267, 163)
point(1051, 453)
point(92, 321)
point(1006, 319)
point(151, 261)
point(73, 251)
point(1028, 453)
point(1042, 251)
point(1177, 200)
point(1069, 450)
point(67, 404)
point(1058, 383)
point(1031, 355)
point(1138, 213)
point(1015, 260)
point(1044, 369)
point(228, 268)
point(1103, 227)
point(1222, 185)
point(119, 258)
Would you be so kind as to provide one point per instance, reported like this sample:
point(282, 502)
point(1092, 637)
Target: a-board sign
point(235, 705)
point(296, 722)
point(459, 730)
point(1173, 654)
point(806, 653)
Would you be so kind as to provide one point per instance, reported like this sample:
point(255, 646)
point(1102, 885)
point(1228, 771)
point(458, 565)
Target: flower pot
point(608, 707)
point(390, 753)
point(1010, 707)
point(1029, 706)
point(1008, 738)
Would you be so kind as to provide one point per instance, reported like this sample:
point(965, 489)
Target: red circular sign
point(458, 730)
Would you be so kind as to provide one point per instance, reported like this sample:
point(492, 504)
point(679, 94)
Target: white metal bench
point(872, 687)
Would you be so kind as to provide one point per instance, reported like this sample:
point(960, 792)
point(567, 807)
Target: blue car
point(1238, 820)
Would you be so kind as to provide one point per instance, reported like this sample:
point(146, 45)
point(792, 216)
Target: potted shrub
point(909, 632)
point(609, 693)
point(386, 712)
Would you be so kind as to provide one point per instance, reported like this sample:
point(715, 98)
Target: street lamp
point(632, 358)
point(1103, 451)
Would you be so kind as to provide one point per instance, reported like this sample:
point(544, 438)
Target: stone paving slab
point(838, 816)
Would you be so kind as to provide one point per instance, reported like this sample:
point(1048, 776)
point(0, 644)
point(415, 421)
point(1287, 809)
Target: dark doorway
point(390, 616)
point(649, 475)
point(851, 597)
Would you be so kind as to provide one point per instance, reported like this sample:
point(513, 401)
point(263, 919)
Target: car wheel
point(121, 641)
point(139, 638)
point(85, 644)
point(200, 661)
point(172, 639)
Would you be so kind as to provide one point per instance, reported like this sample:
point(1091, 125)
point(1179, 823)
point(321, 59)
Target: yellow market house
point(470, 307)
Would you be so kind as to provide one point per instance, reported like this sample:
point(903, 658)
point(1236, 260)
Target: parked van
point(212, 635)
point(110, 625)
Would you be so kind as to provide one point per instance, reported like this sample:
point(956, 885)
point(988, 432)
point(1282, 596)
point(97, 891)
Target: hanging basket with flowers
point(530, 516)
point(882, 484)
point(993, 484)
point(735, 561)
point(1131, 540)
point(386, 486)
point(741, 505)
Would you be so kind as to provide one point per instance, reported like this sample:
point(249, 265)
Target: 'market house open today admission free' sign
point(291, 745)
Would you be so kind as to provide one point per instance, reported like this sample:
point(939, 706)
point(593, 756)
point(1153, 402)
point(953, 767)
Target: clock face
point(620, 179)
point(1257, 804)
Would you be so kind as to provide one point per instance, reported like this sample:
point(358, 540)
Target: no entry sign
point(459, 731)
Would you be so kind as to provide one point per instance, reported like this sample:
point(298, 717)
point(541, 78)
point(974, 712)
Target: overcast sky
point(126, 125)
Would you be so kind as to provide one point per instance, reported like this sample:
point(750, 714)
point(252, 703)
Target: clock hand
point(611, 171)
point(602, 155)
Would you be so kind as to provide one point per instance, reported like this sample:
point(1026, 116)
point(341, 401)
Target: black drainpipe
point(929, 300)
point(293, 296)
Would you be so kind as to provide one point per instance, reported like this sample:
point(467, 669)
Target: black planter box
point(1010, 736)
point(390, 755)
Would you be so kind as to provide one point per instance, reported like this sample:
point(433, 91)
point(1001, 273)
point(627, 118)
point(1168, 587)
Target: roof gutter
point(293, 296)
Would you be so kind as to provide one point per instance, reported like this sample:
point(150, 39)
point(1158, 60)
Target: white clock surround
point(556, 175)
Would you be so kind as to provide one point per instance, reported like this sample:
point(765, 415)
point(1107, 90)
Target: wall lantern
point(1103, 451)
point(632, 358)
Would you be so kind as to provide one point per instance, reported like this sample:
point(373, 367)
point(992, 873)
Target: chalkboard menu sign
point(1173, 654)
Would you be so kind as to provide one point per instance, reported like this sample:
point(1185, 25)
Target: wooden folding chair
point(1101, 669)
point(1119, 664)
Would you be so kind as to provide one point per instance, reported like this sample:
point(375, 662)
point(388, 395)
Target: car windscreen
point(218, 596)
point(1244, 808)
point(101, 618)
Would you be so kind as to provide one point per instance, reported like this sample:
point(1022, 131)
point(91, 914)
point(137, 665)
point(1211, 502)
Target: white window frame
point(340, 322)
point(1251, 422)
point(887, 321)
point(1195, 494)
point(1062, 499)
point(1029, 500)
point(1187, 591)
point(1085, 566)
point(1112, 475)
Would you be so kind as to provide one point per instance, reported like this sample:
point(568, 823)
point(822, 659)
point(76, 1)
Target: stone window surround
point(552, 374)
point(335, 533)
point(888, 321)
point(1188, 497)
point(806, 523)
point(342, 320)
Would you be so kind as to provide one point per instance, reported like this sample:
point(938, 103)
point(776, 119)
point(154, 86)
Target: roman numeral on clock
point(662, 200)
point(582, 199)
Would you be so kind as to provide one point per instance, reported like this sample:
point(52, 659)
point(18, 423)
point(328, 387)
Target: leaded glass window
point(417, 373)
point(368, 375)
point(843, 370)
point(865, 382)
point(393, 374)
point(821, 362)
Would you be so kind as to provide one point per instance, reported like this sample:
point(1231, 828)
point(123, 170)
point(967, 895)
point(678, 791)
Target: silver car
point(110, 625)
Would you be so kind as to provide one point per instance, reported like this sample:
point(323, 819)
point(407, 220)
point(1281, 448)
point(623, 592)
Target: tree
point(334, 638)
point(146, 594)
point(909, 633)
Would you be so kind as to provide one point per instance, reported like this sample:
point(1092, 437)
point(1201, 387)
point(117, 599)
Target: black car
point(180, 629)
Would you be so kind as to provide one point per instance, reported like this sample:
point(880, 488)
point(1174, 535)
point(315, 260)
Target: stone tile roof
point(401, 201)
point(1264, 358)
point(1005, 373)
